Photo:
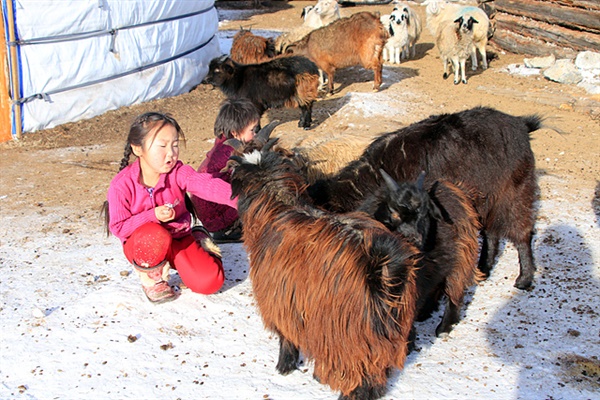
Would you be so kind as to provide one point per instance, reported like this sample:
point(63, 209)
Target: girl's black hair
point(235, 115)
point(138, 135)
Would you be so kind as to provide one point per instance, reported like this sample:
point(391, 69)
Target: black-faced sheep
point(443, 223)
point(358, 39)
point(485, 149)
point(440, 13)
point(248, 48)
point(281, 82)
point(341, 289)
point(455, 41)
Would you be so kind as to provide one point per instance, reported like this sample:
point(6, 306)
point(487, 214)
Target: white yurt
point(67, 60)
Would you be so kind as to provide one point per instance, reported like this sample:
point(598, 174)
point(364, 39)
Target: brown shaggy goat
point(358, 39)
point(340, 288)
point(248, 48)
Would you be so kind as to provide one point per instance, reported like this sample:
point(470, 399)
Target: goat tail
point(533, 122)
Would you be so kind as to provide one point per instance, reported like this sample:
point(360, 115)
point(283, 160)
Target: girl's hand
point(164, 213)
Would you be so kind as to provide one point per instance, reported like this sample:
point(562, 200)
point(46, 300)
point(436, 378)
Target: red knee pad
point(150, 243)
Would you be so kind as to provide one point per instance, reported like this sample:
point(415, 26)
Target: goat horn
point(269, 145)
point(236, 144)
point(421, 180)
point(237, 159)
point(390, 182)
point(263, 135)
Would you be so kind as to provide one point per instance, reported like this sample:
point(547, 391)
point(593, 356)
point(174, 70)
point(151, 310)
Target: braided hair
point(141, 127)
point(138, 136)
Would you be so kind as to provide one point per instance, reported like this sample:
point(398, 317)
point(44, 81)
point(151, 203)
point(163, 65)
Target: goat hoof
point(445, 76)
point(456, 82)
point(465, 81)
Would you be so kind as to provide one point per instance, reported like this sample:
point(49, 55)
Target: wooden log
point(552, 13)
point(519, 44)
point(557, 35)
point(5, 103)
point(587, 4)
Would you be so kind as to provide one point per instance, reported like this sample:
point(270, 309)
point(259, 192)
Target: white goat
point(413, 22)
point(396, 24)
point(455, 41)
point(440, 12)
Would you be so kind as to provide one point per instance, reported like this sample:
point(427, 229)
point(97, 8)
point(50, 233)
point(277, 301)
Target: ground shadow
point(322, 109)
point(553, 328)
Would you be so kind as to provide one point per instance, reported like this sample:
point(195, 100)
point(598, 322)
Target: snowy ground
point(74, 322)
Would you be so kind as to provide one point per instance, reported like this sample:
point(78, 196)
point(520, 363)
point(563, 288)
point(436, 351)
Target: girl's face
point(247, 134)
point(158, 154)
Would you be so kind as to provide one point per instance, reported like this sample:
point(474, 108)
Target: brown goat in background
point(358, 39)
point(340, 288)
point(248, 48)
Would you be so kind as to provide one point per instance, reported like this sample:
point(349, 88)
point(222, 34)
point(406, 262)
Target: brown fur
point(457, 242)
point(248, 48)
point(340, 288)
point(358, 39)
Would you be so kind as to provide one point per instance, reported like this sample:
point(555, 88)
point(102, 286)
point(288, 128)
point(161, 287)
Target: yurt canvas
point(67, 60)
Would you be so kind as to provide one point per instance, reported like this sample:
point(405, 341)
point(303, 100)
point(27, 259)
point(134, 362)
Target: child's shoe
point(155, 282)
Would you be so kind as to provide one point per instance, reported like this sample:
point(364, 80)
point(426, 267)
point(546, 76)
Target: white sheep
point(413, 22)
point(440, 12)
point(321, 14)
point(455, 41)
point(396, 24)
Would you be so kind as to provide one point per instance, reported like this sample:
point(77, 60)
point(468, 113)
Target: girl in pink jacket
point(147, 211)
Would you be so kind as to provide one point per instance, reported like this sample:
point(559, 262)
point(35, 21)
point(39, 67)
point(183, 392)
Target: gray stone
point(563, 71)
point(539, 62)
point(588, 60)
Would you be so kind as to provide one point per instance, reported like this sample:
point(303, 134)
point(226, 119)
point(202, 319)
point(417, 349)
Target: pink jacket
point(132, 204)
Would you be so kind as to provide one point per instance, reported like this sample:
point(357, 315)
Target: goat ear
point(434, 211)
point(389, 181)
point(263, 135)
point(459, 20)
point(236, 144)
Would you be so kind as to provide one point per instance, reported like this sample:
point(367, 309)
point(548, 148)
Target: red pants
point(150, 244)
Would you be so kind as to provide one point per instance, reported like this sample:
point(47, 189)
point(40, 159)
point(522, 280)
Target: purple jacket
point(132, 204)
point(215, 217)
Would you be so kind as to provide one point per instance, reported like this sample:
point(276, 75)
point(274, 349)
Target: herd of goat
point(343, 265)
point(291, 70)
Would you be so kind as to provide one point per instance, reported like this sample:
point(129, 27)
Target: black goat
point(485, 149)
point(443, 223)
point(280, 82)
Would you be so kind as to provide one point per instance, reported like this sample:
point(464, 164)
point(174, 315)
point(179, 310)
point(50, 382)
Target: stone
point(563, 71)
point(588, 60)
point(540, 62)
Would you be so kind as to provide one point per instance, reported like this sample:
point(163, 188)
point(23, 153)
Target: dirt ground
point(72, 165)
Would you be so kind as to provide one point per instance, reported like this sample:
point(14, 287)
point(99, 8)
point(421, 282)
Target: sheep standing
point(455, 43)
point(280, 82)
point(321, 14)
point(248, 48)
point(440, 13)
point(341, 289)
point(358, 39)
point(395, 45)
point(443, 224)
point(413, 22)
point(485, 149)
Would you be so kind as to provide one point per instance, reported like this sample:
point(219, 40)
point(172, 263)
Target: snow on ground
point(75, 324)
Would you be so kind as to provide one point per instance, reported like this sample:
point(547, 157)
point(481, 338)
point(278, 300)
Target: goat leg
point(288, 356)
point(366, 391)
point(525, 278)
point(305, 117)
point(450, 318)
point(489, 251)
